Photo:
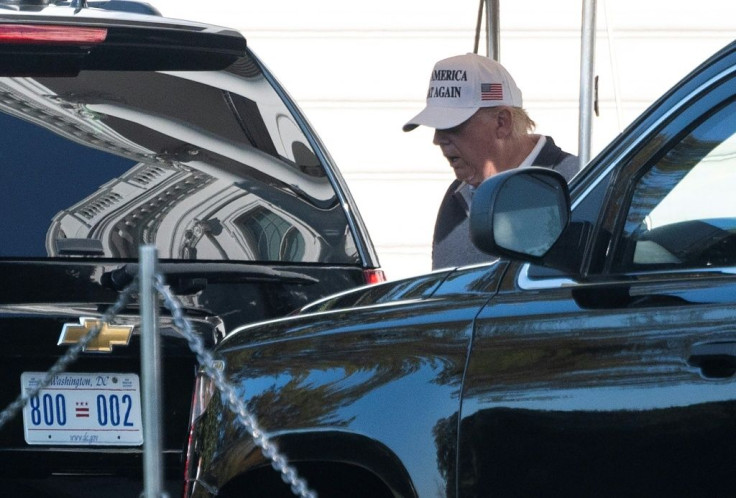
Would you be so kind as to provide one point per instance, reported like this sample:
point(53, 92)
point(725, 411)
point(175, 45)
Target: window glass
point(207, 165)
point(682, 213)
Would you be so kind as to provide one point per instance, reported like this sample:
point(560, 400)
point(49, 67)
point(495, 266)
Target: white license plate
point(83, 409)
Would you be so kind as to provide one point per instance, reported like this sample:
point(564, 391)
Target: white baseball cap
point(461, 85)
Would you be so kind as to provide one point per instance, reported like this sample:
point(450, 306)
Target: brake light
point(43, 34)
point(374, 276)
point(204, 389)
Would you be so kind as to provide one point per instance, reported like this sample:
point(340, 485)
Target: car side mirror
point(520, 213)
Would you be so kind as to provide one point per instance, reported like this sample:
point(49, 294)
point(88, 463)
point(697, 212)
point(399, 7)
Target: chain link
point(207, 362)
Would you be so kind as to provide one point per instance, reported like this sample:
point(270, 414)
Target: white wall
point(360, 70)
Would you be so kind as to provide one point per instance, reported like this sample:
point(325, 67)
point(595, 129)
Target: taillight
point(374, 276)
point(52, 35)
point(204, 389)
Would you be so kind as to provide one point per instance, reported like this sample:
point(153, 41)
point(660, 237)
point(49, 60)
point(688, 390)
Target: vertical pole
point(587, 56)
point(493, 33)
point(151, 373)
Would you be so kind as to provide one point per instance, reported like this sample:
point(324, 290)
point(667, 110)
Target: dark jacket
point(451, 244)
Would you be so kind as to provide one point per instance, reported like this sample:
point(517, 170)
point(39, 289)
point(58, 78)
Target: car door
point(619, 380)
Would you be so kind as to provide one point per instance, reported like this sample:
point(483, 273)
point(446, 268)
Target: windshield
point(206, 165)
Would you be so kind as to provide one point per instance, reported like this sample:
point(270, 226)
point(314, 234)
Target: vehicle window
point(682, 213)
point(207, 165)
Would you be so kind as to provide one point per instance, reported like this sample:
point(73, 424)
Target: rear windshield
point(207, 165)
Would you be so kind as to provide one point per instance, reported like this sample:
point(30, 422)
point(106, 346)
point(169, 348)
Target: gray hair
point(523, 124)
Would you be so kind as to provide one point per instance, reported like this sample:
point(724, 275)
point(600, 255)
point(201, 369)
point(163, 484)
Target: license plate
point(83, 409)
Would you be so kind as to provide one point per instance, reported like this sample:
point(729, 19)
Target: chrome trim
point(527, 283)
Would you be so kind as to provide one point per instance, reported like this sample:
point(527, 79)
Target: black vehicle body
point(121, 130)
point(594, 357)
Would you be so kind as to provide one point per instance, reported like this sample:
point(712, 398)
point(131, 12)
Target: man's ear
point(504, 123)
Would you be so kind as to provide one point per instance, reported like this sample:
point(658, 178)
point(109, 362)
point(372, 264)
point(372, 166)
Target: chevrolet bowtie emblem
point(109, 336)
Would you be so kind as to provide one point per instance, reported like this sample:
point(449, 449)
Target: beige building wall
point(360, 70)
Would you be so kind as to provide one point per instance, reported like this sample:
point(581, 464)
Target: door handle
point(714, 359)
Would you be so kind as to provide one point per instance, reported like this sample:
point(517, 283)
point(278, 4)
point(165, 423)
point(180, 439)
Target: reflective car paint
point(575, 399)
point(354, 386)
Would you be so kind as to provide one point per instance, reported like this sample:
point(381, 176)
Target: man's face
point(471, 147)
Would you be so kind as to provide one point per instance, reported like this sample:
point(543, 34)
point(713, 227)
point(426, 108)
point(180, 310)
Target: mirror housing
point(520, 213)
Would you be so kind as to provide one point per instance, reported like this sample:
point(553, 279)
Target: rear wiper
point(190, 278)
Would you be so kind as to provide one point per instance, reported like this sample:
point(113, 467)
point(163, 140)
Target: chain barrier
point(207, 363)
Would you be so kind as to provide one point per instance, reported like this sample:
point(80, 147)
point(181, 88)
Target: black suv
point(121, 130)
point(594, 357)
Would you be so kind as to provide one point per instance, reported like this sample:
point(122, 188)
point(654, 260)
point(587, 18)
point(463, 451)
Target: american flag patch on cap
point(491, 91)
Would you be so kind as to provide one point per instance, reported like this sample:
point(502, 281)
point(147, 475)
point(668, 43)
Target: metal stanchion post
point(587, 70)
point(151, 374)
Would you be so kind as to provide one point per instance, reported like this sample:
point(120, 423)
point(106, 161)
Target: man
point(476, 109)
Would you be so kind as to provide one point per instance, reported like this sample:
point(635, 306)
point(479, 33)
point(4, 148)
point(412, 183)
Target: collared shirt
point(529, 160)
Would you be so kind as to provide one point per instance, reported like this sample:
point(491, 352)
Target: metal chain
point(206, 360)
point(69, 357)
